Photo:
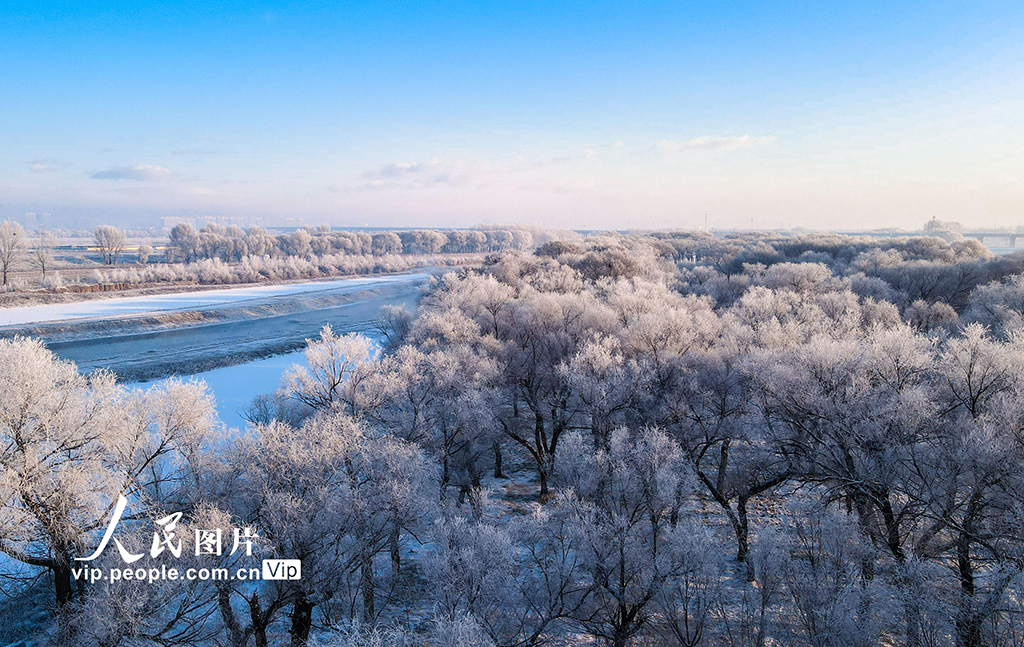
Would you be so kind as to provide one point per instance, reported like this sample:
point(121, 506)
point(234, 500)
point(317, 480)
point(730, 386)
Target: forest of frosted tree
point(658, 439)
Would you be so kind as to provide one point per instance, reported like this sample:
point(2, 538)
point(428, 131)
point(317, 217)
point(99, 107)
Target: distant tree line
point(232, 243)
point(926, 271)
point(216, 254)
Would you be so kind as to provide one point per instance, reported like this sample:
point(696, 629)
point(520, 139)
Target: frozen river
point(239, 340)
point(235, 386)
point(186, 301)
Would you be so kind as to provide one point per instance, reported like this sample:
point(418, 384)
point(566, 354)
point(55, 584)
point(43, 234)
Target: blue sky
point(826, 115)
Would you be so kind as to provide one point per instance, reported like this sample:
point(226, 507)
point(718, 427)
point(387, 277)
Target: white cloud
point(441, 172)
point(140, 173)
point(707, 143)
point(436, 172)
point(45, 166)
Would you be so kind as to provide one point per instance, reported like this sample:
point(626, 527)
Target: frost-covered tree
point(167, 612)
point(299, 243)
point(184, 241)
point(516, 581)
point(42, 255)
point(12, 245)
point(711, 410)
point(393, 325)
point(855, 418)
point(110, 243)
point(605, 384)
point(71, 445)
point(331, 494)
point(387, 243)
point(143, 254)
point(821, 564)
point(338, 374)
point(998, 305)
point(537, 406)
point(442, 399)
point(981, 383)
point(685, 603)
point(624, 505)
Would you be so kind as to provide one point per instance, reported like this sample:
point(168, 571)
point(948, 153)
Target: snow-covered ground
point(196, 300)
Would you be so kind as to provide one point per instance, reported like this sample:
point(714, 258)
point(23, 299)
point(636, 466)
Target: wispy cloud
point(707, 143)
point(436, 172)
point(139, 173)
point(46, 165)
point(520, 171)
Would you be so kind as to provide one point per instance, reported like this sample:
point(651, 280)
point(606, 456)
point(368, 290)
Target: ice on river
point(124, 306)
point(234, 387)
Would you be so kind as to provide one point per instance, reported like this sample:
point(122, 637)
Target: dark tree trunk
point(600, 429)
point(969, 631)
point(620, 639)
point(239, 637)
point(625, 625)
point(541, 456)
point(302, 621)
point(366, 584)
point(913, 615)
point(259, 632)
point(498, 474)
point(742, 527)
point(395, 545)
point(62, 587)
point(446, 475)
point(260, 620)
point(968, 624)
point(912, 606)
